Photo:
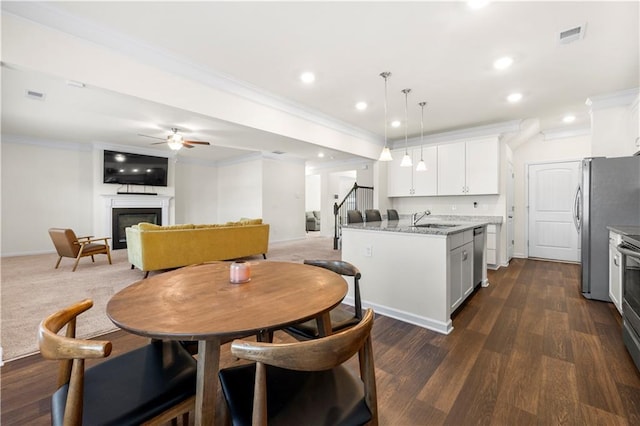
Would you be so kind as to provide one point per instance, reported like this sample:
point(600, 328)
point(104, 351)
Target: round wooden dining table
point(200, 303)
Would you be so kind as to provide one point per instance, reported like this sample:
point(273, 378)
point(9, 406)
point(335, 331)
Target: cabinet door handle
point(464, 255)
point(616, 260)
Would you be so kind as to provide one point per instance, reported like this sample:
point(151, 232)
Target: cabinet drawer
point(460, 238)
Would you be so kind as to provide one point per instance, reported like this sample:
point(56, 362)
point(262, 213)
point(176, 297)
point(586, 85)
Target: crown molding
point(551, 134)
point(615, 99)
point(494, 129)
point(47, 15)
point(47, 143)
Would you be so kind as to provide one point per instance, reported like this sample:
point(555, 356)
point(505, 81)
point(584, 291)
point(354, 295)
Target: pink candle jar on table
point(240, 272)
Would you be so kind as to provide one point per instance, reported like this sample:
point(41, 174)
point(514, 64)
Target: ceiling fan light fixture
point(175, 140)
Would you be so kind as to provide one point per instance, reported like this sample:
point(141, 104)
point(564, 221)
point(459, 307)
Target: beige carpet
point(32, 289)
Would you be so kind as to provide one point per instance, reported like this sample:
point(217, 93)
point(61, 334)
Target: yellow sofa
point(151, 247)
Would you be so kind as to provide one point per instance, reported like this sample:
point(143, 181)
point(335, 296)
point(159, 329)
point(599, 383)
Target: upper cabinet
point(406, 181)
point(468, 168)
point(461, 168)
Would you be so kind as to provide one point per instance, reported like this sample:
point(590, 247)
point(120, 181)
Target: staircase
point(358, 198)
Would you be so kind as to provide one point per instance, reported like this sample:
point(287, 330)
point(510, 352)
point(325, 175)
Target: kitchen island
point(417, 274)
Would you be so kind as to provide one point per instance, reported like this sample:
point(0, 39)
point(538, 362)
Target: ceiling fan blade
point(186, 145)
point(159, 143)
point(196, 143)
point(152, 137)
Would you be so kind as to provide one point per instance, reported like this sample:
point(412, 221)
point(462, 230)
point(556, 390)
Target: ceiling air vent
point(32, 94)
point(572, 34)
point(277, 152)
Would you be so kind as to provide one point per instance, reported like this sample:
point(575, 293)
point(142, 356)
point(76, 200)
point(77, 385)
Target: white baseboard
point(424, 322)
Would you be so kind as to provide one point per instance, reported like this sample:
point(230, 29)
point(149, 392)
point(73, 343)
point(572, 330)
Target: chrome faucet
point(415, 218)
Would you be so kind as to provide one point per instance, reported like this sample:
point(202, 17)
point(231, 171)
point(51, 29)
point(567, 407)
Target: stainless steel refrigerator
point(609, 194)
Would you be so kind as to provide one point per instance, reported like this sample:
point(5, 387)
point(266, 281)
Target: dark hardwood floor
point(528, 349)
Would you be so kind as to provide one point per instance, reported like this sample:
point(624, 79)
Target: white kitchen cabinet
point(468, 168)
point(461, 267)
point(406, 181)
point(615, 271)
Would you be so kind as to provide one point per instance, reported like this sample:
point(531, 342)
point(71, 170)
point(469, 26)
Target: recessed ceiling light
point(307, 77)
point(361, 106)
point(503, 63)
point(477, 4)
point(514, 97)
point(569, 118)
point(321, 155)
point(395, 123)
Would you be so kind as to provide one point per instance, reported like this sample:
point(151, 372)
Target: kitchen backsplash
point(486, 205)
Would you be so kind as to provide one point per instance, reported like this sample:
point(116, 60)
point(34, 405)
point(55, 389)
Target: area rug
point(31, 289)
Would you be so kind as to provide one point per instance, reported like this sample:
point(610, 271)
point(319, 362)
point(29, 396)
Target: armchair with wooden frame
point(304, 382)
point(68, 245)
point(149, 385)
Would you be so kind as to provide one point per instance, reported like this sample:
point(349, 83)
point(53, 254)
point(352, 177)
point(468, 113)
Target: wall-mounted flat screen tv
point(135, 169)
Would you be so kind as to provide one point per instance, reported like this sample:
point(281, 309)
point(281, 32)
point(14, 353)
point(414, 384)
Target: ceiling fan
point(175, 140)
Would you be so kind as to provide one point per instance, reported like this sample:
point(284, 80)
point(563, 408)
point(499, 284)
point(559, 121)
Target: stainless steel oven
point(630, 250)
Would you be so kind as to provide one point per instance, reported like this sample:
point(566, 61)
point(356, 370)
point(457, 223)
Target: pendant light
point(421, 167)
point(385, 155)
point(406, 159)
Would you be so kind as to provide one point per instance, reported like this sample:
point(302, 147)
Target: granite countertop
point(625, 229)
point(404, 225)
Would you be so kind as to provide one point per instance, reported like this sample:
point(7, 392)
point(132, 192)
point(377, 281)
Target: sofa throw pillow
point(248, 221)
point(146, 226)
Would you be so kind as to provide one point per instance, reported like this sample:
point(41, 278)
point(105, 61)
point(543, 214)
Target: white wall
point(44, 187)
point(240, 190)
point(312, 193)
point(539, 150)
point(196, 185)
point(283, 199)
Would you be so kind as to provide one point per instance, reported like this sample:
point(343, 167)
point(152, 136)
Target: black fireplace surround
point(122, 218)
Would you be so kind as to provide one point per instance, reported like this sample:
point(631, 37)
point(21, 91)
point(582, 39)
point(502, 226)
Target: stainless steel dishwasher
point(478, 249)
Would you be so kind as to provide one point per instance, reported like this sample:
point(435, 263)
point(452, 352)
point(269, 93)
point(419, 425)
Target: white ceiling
point(443, 51)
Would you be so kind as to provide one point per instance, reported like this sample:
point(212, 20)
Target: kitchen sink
point(435, 225)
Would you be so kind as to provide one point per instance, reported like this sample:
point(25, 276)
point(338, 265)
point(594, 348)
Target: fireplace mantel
point(123, 201)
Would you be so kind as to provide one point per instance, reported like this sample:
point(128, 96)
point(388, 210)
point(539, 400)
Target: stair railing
point(358, 198)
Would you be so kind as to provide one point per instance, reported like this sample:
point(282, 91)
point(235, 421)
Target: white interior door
point(510, 210)
point(552, 233)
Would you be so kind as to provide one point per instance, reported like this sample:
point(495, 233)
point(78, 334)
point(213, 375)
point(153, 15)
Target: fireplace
point(140, 206)
point(123, 218)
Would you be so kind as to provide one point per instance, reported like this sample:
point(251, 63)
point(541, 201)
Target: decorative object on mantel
point(421, 167)
point(406, 159)
point(385, 155)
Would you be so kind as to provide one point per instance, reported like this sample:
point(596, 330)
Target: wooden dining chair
point(149, 385)
point(341, 316)
point(68, 245)
point(304, 382)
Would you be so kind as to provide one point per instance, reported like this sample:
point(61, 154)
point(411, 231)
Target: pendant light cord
point(406, 120)
point(422, 104)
